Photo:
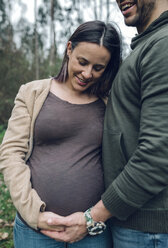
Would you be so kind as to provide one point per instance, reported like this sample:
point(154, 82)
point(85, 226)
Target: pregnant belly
point(66, 190)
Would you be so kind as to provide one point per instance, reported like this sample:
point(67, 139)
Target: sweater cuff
point(36, 215)
point(118, 208)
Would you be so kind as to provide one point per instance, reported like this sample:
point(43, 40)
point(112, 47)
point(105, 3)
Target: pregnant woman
point(51, 152)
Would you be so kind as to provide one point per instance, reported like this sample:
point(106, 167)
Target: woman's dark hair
point(102, 34)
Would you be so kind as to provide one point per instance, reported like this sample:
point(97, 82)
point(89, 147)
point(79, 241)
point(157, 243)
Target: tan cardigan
point(17, 146)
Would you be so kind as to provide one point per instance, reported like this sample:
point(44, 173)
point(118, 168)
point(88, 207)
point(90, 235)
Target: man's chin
point(131, 21)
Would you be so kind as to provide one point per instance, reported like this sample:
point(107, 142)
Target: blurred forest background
point(32, 50)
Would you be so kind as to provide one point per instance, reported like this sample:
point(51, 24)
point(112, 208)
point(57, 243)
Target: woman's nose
point(87, 73)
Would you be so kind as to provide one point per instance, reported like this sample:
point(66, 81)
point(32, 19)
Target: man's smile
point(125, 6)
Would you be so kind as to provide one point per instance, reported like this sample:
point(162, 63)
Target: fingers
point(60, 220)
point(45, 226)
point(73, 219)
point(44, 221)
point(56, 228)
point(59, 236)
point(68, 236)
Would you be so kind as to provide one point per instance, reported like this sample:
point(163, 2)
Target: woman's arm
point(16, 173)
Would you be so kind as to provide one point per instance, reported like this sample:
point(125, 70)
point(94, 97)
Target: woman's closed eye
point(98, 67)
point(84, 62)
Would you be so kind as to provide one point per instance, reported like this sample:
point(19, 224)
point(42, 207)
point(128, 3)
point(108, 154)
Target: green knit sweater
point(135, 143)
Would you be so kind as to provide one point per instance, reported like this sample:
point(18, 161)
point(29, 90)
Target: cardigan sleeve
point(16, 173)
point(146, 173)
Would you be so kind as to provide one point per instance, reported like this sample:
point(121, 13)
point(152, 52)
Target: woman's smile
point(82, 82)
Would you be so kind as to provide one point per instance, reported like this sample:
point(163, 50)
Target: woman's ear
point(69, 48)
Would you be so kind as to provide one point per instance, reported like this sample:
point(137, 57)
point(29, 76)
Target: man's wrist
point(100, 213)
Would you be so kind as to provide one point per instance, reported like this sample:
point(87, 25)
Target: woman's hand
point(46, 217)
point(75, 228)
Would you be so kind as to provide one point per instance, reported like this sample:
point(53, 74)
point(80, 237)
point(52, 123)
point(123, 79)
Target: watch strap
point(93, 227)
point(88, 217)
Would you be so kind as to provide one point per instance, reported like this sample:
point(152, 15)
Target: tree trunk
point(36, 42)
point(95, 9)
point(52, 34)
point(100, 9)
point(108, 10)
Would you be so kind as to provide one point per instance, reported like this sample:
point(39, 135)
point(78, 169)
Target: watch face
point(96, 228)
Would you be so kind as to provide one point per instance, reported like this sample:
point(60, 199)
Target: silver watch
point(93, 227)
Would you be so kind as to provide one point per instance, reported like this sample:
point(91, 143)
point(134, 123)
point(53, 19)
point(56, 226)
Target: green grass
point(7, 211)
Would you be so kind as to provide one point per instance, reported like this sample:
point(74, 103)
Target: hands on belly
point(69, 229)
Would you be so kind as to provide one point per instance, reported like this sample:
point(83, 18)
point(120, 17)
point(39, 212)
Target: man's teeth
point(126, 6)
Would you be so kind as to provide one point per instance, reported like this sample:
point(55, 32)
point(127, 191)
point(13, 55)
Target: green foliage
point(17, 63)
point(7, 215)
point(7, 210)
point(2, 132)
point(15, 70)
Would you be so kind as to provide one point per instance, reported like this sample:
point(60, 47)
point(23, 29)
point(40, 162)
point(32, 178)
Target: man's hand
point(75, 228)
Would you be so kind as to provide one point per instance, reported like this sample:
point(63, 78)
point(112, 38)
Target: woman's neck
point(73, 96)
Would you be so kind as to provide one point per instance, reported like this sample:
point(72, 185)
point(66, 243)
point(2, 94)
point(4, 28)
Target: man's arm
point(145, 174)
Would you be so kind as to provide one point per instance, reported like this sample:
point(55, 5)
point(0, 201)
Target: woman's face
point(87, 62)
